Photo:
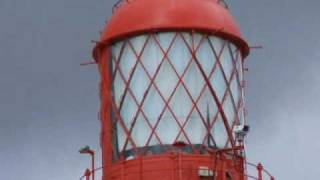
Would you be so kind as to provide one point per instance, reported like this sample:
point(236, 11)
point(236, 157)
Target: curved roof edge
point(138, 17)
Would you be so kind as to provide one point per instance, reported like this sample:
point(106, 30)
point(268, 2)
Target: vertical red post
point(223, 173)
point(260, 169)
point(87, 174)
point(92, 163)
point(87, 150)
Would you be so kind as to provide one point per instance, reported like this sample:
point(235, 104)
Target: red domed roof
point(143, 16)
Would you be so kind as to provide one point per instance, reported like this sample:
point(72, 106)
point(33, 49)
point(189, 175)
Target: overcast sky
point(49, 104)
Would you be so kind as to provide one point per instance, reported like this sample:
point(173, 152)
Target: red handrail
point(88, 173)
point(258, 167)
point(261, 171)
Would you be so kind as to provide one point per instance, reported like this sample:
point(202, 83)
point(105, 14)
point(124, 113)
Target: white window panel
point(195, 128)
point(193, 80)
point(207, 105)
point(141, 131)
point(121, 136)
point(138, 43)
point(118, 88)
point(239, 65)
point(235, 90)
point(152, 56)
point(129, 110)
point(179, 55)
point(165, 40)
point(217, 44)
point(206, 57)
point(181, 104)
point(127, 61)
point(139, 83)
point(226, 62)
point(196, 38)
point(153, 105)
point(167, 128)
point(218, 83)
point(219, 133)
point(229, 110)
point(166, 80)
point(116, 50)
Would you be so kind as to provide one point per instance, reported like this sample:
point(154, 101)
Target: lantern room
point(164, 87)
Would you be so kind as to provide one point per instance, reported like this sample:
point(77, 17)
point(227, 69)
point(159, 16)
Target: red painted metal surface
point(149, 17)
point(87, 174)
point(136, 17)
point(175, 169)
point(174, 166)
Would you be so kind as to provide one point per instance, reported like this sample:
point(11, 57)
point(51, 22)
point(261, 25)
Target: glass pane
point(139, 83)
point(166, 80)
point(121, 137)
point(235, 91)
point(195, 128)
point(152, 56)
point(153, 106)
point(181, 110)
point(138, 43)
point(116, 52)
point(229, 110)
point(207, 105)
point(129, 110)
point(179, 55)
point(166, 40)
point(206, 57)
point(219, 133)
point(196, 38)
point(226, 62)
point(118, 88)
point(193, 80)
point(127, 61)
point(217, 44)
point(218, 83)
point(140, 131)
point(167, 129)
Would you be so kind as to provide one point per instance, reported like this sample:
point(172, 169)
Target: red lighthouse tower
point(172, 105)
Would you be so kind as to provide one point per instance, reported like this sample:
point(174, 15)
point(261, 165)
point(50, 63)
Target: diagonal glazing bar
point(166, 101)
point(213, 93)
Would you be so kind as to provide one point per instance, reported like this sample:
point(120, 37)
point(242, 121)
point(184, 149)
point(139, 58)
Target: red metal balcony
point(257, 172)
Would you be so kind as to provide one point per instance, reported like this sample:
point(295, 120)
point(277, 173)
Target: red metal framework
point(193, 42)
point(259, 174)
point(171, 91)
point(127, 91)
point(134, 17)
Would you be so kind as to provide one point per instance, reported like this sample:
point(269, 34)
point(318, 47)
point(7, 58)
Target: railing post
point(92, 163)
point(87, 150)
point(260, 169)
point(87, 174)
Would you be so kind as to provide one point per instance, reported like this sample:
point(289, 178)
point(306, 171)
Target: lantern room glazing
point(175, 87)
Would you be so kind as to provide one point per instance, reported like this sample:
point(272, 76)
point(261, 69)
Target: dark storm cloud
point(49, 103)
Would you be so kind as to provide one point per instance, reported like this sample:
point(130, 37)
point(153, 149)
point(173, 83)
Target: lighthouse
point(172, 92)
